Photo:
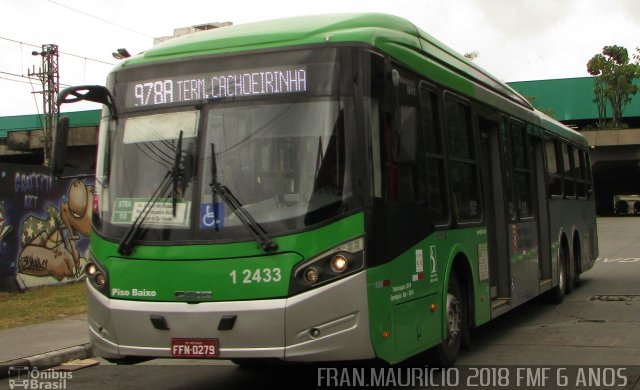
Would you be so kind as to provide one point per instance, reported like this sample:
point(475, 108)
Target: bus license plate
point(194, 348)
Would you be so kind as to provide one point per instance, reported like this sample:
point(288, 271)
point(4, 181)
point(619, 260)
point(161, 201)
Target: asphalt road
point(582, 343)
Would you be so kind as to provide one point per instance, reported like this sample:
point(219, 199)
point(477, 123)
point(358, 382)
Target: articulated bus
point(333, 187)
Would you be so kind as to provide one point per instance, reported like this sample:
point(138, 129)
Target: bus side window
point(406, 152)
point(463, 165)
point(586, 167)
point(554, 174)
point(506, 151)
point(578, 173)
point(521, 165)
point(433, 186)
point(569, 182)
point(402, 138)
point(391, 178)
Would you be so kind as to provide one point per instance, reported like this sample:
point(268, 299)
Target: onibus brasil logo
point(25, 377)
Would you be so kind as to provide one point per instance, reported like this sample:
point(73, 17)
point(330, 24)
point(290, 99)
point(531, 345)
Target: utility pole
point(50, 79)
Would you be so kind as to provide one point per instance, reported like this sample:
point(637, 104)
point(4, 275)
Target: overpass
point(22, 139)
point(615, 153)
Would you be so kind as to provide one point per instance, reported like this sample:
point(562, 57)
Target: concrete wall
point(33, 139)
point(4, 150)
point(613, 137)
point(44, 226)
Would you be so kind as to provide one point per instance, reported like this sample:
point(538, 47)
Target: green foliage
point(614, 80)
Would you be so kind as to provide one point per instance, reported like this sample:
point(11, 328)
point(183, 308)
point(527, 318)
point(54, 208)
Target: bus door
point(495, 216)
point(539, 157)
point(511, 214)
point(521, 210)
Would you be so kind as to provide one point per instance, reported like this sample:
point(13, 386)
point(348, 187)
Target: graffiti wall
point(44, 226)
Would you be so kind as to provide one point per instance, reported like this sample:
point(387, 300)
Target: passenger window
point(432, 184)
point(586, 168)
point(506, 160)
point(569, 182)
point(578, 173)
point(402, 137)
point(521, 170)
point(462, 161)
point(553, 165)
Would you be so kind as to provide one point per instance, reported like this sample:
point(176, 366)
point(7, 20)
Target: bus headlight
point(311, 275)
point(91, 270)
point(344, 259)
point(97, 275)
point(100, 280)
point(339, 263)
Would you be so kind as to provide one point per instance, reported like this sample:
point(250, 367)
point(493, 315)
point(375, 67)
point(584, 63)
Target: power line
point(62, 52)
point(24, 77)
point(87, 58)
point(101, 19)
point(16, 81)
point(22, 43)
point(14, 74)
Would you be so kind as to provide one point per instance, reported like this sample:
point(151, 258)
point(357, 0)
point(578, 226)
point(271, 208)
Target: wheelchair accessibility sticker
point(211, 215)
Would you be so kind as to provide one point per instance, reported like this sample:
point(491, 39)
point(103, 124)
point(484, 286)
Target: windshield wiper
point(171, 177)
point(259, 234)
point(177, 174)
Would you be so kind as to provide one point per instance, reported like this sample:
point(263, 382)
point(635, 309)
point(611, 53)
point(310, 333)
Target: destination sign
point(271, 81)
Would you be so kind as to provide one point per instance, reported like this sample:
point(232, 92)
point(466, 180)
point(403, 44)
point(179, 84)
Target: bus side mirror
point(91, 93)
point(59, 152)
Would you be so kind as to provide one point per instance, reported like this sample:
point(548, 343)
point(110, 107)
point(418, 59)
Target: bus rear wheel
point(445, 354)
point(556, 294)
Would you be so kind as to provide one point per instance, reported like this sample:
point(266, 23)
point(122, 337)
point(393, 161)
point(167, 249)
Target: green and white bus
point(335, 187)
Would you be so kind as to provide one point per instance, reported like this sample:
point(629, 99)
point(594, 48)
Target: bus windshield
point(281, 161)
point(283, 155)
point(145, 164)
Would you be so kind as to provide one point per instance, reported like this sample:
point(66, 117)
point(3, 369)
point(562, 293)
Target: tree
point(600, 99)
point(614, 80)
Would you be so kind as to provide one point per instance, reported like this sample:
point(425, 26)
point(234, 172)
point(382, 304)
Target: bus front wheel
point(446, 353)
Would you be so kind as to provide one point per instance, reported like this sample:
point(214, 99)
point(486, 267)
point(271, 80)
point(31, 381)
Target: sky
point(517, 40)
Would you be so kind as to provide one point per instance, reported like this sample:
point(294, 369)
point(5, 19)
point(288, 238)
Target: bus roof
point(379, 30)
point(300, 30)
point(391, 34)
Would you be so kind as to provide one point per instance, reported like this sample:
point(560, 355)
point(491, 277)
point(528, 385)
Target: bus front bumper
point(327, 323)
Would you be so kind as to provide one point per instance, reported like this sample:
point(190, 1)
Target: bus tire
point(576, 278)
point(556, 294)
point(568, 289)
point(577, 262)
point(128, 360)
point(251, 363)
point(446, 353)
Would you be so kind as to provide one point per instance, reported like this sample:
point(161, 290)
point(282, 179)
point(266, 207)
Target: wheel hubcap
point(454, 318)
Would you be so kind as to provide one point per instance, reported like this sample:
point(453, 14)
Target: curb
point(48, 359)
